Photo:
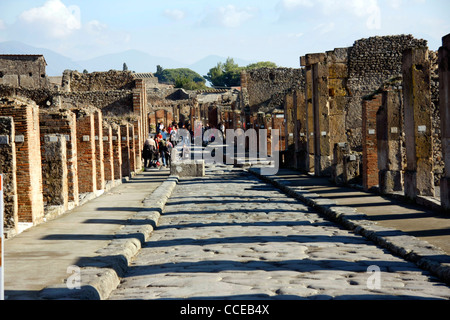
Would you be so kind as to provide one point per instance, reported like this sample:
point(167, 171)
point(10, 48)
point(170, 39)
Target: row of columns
point(319, 125)
point(51, 157)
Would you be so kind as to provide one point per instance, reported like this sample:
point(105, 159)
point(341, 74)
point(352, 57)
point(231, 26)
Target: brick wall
point(108, 152)
point(117, 150)
point(99, 165)
point(28, 157)
point(87, 176)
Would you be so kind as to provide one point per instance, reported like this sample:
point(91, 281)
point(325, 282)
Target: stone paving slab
point(230, 236)
point(357, 214)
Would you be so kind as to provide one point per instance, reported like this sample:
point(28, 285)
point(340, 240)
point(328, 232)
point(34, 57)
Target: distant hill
point(136, 60)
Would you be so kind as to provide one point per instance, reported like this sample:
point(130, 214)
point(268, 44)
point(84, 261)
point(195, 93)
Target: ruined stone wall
point(74, 81)
point(26, 71)
point(371, 62)
point(114, 102)
point(8, 169)
point(262, 85)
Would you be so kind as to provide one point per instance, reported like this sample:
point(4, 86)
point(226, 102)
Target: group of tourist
point(157, 151)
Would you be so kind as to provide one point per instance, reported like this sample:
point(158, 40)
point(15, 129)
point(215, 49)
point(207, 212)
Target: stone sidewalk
point(98, 236)
point(414, 232)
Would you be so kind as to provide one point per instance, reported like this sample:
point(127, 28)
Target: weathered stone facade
point(26, 71)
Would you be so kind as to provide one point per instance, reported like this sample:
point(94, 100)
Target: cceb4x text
point(246, 309)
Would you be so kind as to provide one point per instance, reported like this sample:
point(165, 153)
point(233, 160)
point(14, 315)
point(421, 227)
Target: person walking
point(148, 151)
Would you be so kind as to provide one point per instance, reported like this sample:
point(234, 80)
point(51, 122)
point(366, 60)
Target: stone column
point(108, 159)
point(117, 151)
point(125, 146)
point(54, 171)
point(389, 142)
point(322, 143)
point(305, 61)
point(419, 180)
point(301, 130)
point(444, 97)
point(99, 165)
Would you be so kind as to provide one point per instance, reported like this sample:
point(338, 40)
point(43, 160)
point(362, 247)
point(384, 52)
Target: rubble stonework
point(444, 90)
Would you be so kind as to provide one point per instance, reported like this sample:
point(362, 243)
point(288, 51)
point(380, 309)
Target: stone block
point(194, 168)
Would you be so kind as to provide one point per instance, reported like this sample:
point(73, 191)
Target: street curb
point(98, 276)
point(399, 243)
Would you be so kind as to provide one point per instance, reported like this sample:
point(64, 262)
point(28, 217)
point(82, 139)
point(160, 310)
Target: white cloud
point(54, 18)
point(292, 4)
point(230, 16)
point(364, 9)
point(2, 25)
point(175, 14)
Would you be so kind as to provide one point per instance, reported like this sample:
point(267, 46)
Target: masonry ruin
point(375, 114)
point(368, 115)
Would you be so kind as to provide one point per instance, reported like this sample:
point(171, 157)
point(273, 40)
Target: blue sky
point(188, 30)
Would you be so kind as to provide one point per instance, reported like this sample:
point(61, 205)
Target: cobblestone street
point(231, 236)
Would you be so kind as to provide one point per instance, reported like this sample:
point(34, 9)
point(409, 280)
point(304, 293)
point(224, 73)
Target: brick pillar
point(444, 94)
point(322, 143)
point(117, 151)
point(99, 165)
point(8, 169)
point(125, 146)
point(370, 107)
point(29, 175)
point(64, 122)
point(132, 147)
point(419, 178)
point(108, 159)
point(87, 175)
point(389, 142)
point(54, 170)
point(139, 144)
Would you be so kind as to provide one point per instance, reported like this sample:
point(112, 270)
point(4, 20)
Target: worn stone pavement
point(231, 236)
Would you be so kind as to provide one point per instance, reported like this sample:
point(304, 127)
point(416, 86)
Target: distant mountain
point(56, 63)
point(135, 60)
point(203, 66)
